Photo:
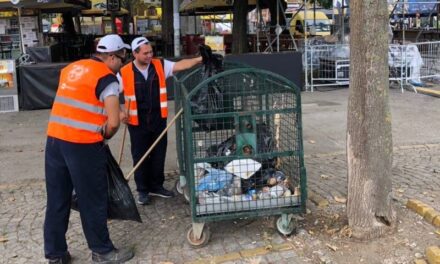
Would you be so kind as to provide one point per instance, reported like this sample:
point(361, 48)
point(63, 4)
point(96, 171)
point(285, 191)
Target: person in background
point(145, 94)
point(84, 114)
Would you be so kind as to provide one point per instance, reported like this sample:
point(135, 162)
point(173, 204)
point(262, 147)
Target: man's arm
point(186, 64)
point(111, 105)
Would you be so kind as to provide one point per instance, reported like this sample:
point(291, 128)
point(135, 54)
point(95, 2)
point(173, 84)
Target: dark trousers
point(82, 167)
point(150, 175)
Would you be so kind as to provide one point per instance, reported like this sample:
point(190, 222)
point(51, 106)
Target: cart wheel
point(284, 226)
point(198, 243)
point(178, 187)
point(186, 193)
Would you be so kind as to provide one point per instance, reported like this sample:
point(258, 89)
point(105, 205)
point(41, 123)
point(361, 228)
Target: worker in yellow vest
point(143, 82)
point(85, 112)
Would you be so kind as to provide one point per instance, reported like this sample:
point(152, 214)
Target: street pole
point(176, 22)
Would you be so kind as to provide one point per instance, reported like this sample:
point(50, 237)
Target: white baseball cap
point(111, 43)
point(137, 42)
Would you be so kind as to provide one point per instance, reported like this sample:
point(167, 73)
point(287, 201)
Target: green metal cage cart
point(239, 146)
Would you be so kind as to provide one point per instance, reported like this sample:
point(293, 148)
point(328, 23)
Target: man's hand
point(123, 115)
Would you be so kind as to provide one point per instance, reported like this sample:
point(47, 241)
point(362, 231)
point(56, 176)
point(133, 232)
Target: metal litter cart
point(240, 149)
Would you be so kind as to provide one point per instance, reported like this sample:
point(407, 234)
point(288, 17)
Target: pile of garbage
point(240, 180)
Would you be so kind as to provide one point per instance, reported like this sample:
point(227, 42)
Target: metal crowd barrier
point(409, 64)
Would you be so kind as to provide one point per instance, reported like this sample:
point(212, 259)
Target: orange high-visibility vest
point(77, 115)
point(127, 74)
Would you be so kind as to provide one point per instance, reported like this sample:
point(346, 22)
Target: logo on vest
point(76, 73)
point(64, 86)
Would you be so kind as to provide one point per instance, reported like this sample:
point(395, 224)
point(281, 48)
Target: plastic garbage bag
point(215, 180)
point(265, 144)
point(121, 204)
point(209, 99)
point(243, 168)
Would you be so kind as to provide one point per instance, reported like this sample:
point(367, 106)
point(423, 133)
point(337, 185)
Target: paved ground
point(162, 235)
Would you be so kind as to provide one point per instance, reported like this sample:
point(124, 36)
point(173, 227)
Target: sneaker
point(115, 256)
point(162, 192)
point(143, 199)
point(66, 259)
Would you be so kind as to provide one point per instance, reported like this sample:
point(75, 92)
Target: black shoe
point(116, 256)
point(62, 260)
point(143, 199)
point(162, 192)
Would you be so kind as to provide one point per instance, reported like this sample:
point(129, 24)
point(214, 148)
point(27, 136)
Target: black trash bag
point(229, 147)
point(121, 204)
point(210, 99)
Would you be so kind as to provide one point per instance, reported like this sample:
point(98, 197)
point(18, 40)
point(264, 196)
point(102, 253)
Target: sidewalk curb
point(243, 254)
point(433, 255)
point(428, 213)
point(427, 91)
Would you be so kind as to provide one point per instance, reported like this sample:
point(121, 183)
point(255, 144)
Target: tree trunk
point(239, 28)
point(167, 28)
point(369, 139)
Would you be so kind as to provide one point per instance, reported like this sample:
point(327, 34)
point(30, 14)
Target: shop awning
point(194, 7)
point(47, 4)
point(102, 12)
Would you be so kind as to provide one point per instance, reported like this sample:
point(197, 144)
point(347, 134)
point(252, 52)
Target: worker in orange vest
point(143, 82)
point(85, 112)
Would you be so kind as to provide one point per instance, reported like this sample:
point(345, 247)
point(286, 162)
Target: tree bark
point(167, 28)
point(239, 28)
point(369, 140)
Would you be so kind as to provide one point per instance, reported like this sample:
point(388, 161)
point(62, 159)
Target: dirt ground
point(323, 236)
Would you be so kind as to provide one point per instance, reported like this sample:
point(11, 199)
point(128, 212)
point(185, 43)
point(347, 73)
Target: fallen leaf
point(332, 231)
point(166, 262)
point(401, 190)
point(311, 232)
point(346, 231)
point(340, 199)
point(172, 217)
point(312, 141)
point(3, 239)
point(323, 176)
point(438, 232)
point(268, 247)
point(334, 248)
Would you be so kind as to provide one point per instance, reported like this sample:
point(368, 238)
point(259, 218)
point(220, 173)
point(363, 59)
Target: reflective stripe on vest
point(75, 124)
point(128, 80)
point(81, 105)
point(77, 115)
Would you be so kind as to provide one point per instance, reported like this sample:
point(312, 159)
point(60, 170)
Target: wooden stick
point(121, 150)
point(154, 145)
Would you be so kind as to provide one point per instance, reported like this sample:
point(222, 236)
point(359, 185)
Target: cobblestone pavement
point(416, 174)
point(162, 235)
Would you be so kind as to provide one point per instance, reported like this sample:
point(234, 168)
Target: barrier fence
point(329, 65)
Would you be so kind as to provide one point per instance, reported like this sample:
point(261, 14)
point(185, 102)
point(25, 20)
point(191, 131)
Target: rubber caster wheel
point(283, 229)
point(198, 243)
point(186, 194)
point(178, 187)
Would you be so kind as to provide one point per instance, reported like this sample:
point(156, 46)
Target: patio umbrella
point(210, 6)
